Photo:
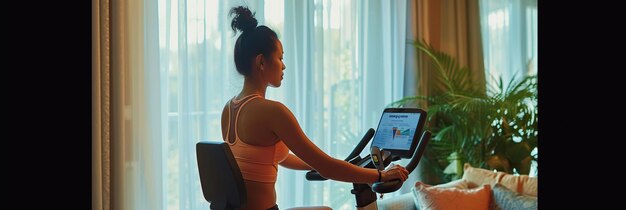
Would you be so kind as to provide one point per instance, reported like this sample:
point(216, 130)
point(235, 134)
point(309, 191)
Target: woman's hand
point(394, 172)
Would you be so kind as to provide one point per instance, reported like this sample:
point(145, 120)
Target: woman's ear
point(258, 61)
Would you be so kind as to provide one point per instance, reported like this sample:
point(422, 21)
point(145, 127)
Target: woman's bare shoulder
point(274, 109)
point(271, 105)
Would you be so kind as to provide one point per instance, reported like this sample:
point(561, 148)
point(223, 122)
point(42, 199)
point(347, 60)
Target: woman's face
point(274, 66)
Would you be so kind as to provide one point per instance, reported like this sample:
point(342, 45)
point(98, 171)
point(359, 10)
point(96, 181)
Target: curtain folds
point(345, 64)
point(122, 175)
point(509, 29)
point(163, 70)
point(301, 91)
point(101, 110)
point(452, 27)
point(380, 50)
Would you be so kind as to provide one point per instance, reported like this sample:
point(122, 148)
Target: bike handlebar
point(393, 185)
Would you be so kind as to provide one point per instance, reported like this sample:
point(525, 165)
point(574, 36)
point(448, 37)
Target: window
point(509, 30)
point(330, 63)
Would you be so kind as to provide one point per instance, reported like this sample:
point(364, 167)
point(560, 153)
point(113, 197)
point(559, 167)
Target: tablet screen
point(397, 130)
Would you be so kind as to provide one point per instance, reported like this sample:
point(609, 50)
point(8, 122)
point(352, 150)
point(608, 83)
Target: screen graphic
point(396, 130)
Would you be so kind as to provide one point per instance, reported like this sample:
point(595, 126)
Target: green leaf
point(478, 122)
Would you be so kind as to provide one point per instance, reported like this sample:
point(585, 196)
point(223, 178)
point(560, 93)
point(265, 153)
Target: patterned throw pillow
point(433, 198)
point(503, 198)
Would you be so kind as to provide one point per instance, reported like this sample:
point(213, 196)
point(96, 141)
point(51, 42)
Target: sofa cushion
point(504, 198)
point(519, 183)
point(431, 197)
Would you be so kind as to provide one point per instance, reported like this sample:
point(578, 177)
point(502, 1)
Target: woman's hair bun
point(244, 19)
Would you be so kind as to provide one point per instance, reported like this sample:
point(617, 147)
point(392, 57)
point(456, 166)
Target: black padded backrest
point(220, 177)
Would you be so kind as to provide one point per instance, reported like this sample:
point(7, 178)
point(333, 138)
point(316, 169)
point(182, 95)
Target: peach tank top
point(257, 163)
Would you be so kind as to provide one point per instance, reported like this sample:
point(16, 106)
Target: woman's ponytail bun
point(244, 19)
point(252, 41)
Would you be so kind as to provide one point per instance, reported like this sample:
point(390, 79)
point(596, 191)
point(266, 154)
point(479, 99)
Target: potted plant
point(492, 128)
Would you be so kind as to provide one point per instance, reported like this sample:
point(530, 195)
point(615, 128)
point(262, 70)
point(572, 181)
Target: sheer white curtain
point(196, 76)
point(345, 63)
point(509, 31)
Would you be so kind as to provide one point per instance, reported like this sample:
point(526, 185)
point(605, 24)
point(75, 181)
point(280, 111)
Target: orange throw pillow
point(433, 198)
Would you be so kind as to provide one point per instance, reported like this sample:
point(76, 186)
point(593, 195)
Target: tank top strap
point(234, 107)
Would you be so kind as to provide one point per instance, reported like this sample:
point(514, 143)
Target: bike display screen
point(399, 130)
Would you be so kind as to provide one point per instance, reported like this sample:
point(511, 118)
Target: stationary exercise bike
point(223, 185)
point(379, 159)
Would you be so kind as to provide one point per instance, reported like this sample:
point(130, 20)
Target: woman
point(261, 132)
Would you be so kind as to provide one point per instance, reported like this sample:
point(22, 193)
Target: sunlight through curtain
point(345, 64)
point(509, 31)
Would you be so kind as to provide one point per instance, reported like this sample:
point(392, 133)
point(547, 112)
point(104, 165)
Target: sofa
point(478, 189)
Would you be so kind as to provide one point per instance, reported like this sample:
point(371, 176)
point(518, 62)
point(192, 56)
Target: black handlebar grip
point(386, 187)
point(393, 185)
point(314, 176)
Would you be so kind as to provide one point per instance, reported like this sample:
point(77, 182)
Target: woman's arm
point(294, 162)
point(284, 124)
